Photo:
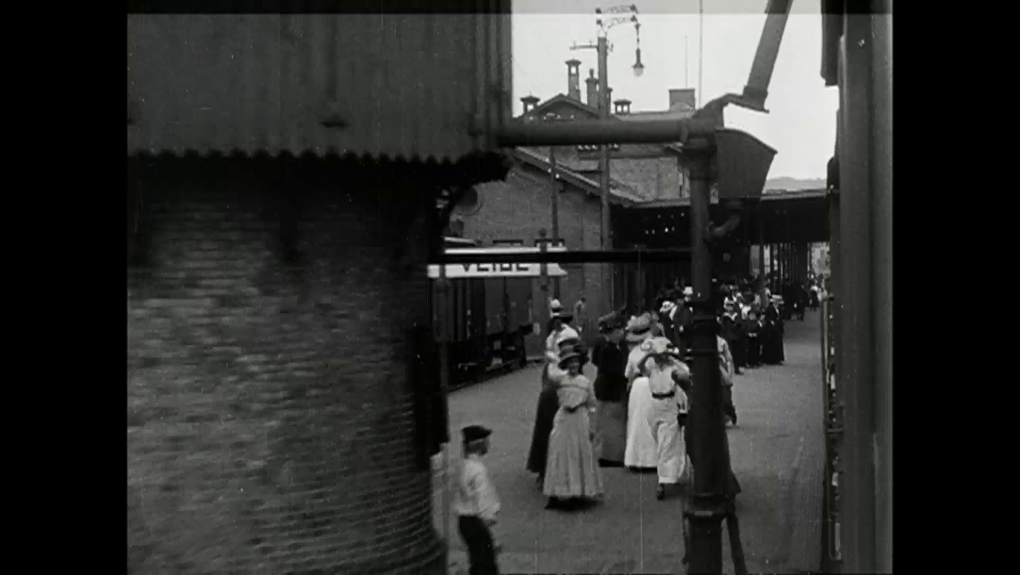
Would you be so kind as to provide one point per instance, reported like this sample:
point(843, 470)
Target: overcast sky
point(801, 124)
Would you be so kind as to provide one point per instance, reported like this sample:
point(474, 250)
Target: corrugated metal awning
point(402, 86)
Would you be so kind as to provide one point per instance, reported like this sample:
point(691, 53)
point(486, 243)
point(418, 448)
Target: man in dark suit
point(683, 319)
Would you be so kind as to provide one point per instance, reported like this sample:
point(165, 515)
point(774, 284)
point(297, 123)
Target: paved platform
point(777, 453)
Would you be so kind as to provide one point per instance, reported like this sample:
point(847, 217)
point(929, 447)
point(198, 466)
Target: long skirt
point(672, 452)
point(642, 451)
point(753, 351)
point(611, 432)
point(571, 469)
point(548, 403)
point(769, 352)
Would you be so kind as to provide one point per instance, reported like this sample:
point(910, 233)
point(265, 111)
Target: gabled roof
point(563, 98)
point(617, 195)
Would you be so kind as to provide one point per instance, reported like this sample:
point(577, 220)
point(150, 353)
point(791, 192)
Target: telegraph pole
point(555, 199)
point(603, 55)
point(604, 181)
point(622, 14)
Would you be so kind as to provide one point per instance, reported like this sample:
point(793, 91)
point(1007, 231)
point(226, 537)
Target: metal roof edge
point(767, 196)
point(583, 182)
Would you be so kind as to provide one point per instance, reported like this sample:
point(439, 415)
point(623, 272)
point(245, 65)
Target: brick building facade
point(519, 207)
point(649, 171)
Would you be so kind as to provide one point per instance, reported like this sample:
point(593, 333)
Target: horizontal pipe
point(571, 257)
point(595, 132)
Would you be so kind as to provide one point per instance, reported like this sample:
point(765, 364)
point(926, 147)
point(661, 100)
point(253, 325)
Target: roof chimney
point(622, 106)
point(574, 79)
point(593, 89)
point(529, 103)
point(682, 96)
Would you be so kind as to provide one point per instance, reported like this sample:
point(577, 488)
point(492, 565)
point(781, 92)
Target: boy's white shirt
point(474, 493)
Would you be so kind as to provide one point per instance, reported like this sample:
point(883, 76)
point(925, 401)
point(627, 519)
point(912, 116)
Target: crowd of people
point(634, 414)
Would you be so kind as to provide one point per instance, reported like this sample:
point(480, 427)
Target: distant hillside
point(794, 184)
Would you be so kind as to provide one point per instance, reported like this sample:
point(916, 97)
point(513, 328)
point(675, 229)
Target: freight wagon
point(487, 311)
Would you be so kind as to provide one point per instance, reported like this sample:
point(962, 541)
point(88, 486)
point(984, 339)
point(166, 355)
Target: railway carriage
point(487, 312)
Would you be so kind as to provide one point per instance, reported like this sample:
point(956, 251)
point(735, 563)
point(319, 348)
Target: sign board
point(483, 269)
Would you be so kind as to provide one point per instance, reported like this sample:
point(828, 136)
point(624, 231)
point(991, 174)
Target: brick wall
point(649, 178)
point(270, 419)
point(519, 207)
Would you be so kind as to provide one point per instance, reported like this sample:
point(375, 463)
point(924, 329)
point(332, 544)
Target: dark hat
point(638, 328)
point(569, 354)
point(612, 321)
point(475, 433)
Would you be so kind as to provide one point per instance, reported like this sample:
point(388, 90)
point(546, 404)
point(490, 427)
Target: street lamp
point(639, 68)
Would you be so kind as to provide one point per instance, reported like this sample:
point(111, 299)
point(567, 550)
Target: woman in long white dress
point(642, 451)
point(572, 474)
point(669, 401)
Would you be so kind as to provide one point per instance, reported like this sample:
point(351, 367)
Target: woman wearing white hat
point(669, 406)
point(641, 453)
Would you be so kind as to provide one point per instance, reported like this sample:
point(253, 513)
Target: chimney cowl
point(529, 103)
point(574, 79)
point(593, 89)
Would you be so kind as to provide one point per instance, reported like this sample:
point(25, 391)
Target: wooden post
point(442, 305)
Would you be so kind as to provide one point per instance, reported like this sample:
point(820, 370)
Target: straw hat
point(611, 321)
point(638, 328)
point(660, 346)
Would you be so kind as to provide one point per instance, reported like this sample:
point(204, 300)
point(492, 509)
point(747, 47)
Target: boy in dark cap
point(476, 503)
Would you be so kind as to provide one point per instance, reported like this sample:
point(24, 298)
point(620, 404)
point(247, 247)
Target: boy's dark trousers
point(481, 550)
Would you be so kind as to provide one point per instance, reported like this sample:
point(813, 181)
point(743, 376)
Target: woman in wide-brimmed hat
point(610, 391)
point(572, 473)
point(641, 452)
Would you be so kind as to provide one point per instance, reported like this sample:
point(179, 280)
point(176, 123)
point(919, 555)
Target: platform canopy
point(782, 216)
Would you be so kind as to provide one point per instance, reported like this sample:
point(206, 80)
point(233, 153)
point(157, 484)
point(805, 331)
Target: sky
point(801, 123)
